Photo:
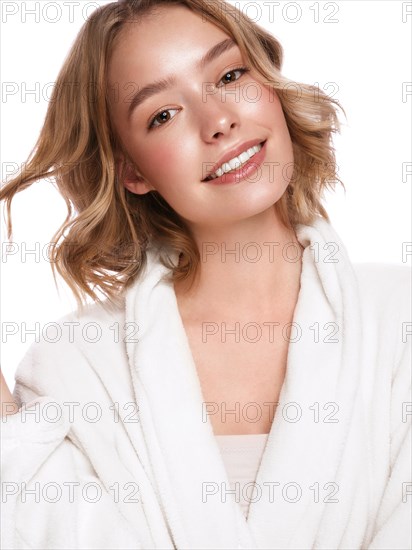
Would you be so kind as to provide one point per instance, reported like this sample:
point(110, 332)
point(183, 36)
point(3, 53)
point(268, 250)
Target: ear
point(133, 182)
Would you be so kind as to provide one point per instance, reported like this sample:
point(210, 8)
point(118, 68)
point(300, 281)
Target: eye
point(164, 112)
point(242, 70)
point(158, 115)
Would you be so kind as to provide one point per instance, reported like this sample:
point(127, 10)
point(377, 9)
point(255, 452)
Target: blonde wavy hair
point(102, 243)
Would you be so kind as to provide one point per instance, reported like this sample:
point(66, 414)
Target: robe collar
point(299, 478)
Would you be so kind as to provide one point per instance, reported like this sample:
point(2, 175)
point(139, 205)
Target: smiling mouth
point(211, 177)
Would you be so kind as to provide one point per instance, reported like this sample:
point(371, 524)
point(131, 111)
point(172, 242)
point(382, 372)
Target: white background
point(366, 52)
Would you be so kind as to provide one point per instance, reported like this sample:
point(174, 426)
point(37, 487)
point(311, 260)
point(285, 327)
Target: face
point(177, 135)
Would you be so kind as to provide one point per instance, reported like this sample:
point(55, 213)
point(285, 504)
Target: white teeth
point(243, 157)
point(236, 162)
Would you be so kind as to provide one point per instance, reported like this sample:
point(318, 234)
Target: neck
point(248, 266)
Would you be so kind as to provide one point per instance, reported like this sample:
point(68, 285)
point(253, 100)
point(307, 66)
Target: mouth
point(243, 165)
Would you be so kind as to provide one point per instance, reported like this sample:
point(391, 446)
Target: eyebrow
point(161, 85)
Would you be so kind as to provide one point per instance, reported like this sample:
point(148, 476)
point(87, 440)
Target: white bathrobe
point(121, 454)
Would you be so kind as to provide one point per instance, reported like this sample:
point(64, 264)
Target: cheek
point(168, 165)
point(276, 115)
point(274, 109)
point(158, 163)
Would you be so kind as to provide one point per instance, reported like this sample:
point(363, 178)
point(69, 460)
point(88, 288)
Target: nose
point(219, 117)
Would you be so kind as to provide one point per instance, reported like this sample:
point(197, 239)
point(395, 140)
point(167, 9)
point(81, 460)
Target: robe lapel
point(319, 416)
point(318, 403)
point(184, 455)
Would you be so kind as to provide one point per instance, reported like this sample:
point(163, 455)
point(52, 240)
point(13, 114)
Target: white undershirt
point(241, 455)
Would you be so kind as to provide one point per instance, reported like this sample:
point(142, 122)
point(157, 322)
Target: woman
point(237, 346)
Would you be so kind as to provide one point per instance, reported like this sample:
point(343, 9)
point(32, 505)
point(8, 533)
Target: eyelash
point(243, 70)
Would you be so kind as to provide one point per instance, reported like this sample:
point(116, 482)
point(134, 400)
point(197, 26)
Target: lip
point(232, 154)
point(244, 171)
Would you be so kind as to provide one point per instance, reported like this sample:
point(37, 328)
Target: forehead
point(164, 41)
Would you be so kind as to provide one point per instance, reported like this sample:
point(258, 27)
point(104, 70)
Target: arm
point(39, 461)
point(393, 522)
point(7, 401)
